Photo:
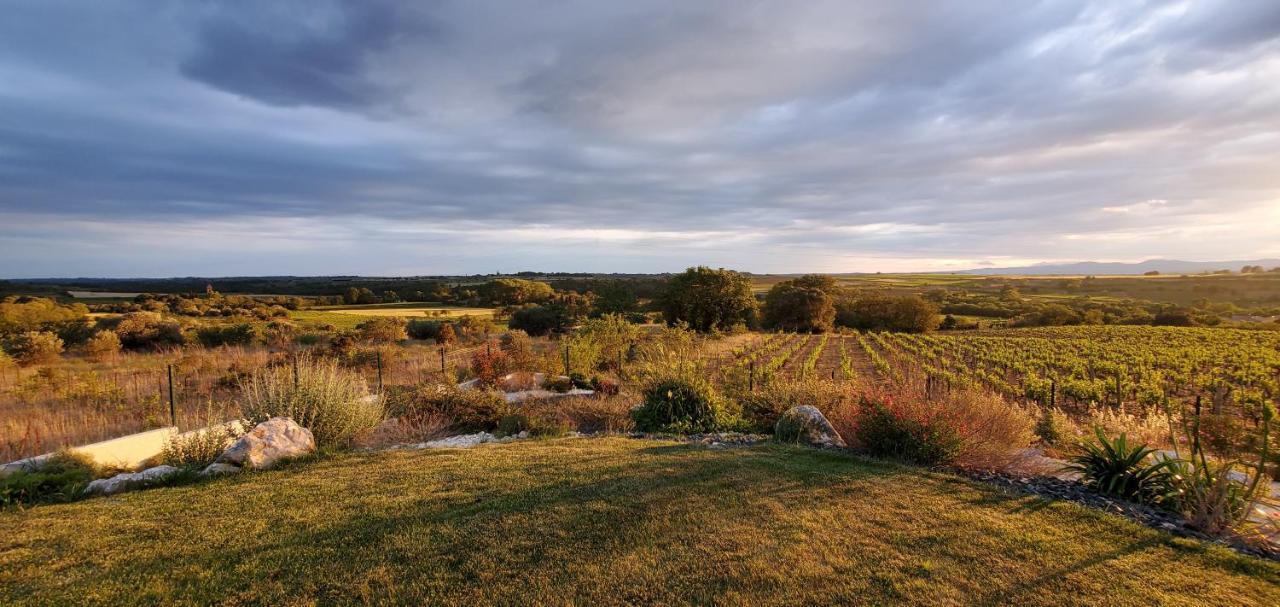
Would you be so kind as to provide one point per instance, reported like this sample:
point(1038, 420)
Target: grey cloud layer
point(932, 131)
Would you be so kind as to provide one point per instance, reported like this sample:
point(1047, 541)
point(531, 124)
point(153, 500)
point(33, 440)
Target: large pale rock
point(808, 426)
point(271, 442)
point(130, 480)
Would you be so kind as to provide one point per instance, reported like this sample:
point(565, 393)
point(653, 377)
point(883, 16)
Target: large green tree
point(708, 299)
point(878, 311)
point(802, 304)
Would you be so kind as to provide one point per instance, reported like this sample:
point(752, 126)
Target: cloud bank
point(477, 136)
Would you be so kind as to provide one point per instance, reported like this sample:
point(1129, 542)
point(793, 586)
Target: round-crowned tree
point(803, 304)
point(709, 300)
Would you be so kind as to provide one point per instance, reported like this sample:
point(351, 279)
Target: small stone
point(218, 469)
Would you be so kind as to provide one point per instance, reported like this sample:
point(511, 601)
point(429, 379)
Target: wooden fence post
point(173, 413)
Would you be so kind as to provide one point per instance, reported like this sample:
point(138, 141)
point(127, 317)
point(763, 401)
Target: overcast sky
point(396, 138)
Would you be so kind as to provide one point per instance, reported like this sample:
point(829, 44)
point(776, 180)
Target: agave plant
point(1114, 467)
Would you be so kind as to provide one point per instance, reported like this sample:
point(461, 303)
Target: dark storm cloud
point(766, 135)
point(280, 57)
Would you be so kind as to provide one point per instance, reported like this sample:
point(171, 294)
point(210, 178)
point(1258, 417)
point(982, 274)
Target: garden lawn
point(604, 521)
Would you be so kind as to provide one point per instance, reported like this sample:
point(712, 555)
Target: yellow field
point(411, 312)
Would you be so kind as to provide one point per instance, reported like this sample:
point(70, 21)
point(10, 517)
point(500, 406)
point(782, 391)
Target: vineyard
point(1063, 366)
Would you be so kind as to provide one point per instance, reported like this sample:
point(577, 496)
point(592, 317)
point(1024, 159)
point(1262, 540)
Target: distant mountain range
point(1163, 266)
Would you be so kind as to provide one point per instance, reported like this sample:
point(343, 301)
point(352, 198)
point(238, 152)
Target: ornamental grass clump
point(332, 402)
point(678, 405)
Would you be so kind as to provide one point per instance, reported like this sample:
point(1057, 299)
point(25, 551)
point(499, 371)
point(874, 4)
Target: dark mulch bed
point(1075, 491)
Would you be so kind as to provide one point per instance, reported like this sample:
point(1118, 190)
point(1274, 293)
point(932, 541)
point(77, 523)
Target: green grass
point(604, 521)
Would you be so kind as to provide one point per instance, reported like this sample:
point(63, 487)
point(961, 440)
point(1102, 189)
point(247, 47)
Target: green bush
point(332, 402)
point(419, 328)
point(883, 432)
point(558, 384)
point(36, 347)
point(241, 334)
point(678, 406)
point(60, 478)
point(1114, 467)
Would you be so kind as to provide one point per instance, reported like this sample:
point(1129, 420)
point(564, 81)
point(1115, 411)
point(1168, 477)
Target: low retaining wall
point(128, 452)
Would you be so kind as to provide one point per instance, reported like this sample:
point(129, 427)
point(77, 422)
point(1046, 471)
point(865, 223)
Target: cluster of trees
point(723, 300)
point(210, 304)
point(1021, 311)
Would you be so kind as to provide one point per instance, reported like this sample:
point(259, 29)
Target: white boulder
point(130, 480)
point(807, 425)
point(269, 443)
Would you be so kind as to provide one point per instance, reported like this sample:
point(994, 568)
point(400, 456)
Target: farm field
point(1083, 365)
point(1243, 289)
point(347, 317)
point(605, 521)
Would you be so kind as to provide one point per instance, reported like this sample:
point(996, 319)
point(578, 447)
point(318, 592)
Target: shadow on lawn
point(1007, 596)
point(626, 507)
point(470, 539)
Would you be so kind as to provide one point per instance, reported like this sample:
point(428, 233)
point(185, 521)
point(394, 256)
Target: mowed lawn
point(603, 522)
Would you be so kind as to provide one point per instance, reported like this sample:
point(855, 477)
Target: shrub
point(470, 410)
point(332, 402)
point(423, 329)
point(409, 428)
point(1115, 467)
point(539, 320)
point(103, 346)
point(241, 334)
point(519, 349)
point(677, 405)
point(595, 414)
point(489, 364)
point(1217, 496)
point(611, 337)
point(886, 432)
point(1055, 428)
point(279, 333)
point(446, 336)
point(140, 330)
point(60, 478)
point(382, 330)
point(964, 428)
point(558, 384)
point(36, 347)
point(761, 409)
point(198, 448)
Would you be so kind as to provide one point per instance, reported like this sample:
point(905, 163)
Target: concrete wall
point(124, 452)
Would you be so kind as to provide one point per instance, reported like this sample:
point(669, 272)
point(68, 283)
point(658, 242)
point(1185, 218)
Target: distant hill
point(1163, 266)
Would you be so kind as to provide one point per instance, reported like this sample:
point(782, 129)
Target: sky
point(388, 138)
